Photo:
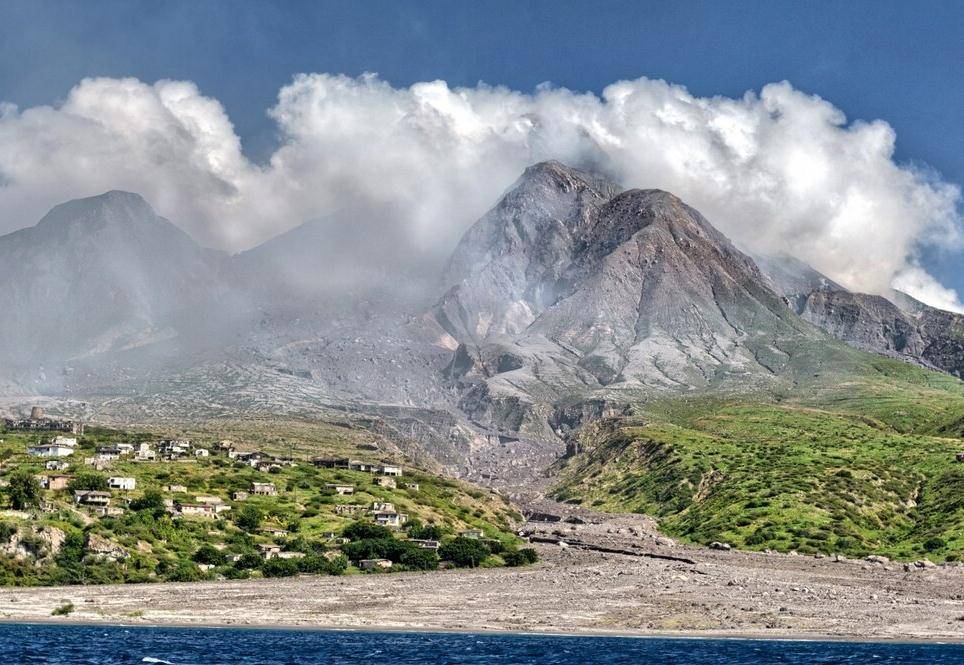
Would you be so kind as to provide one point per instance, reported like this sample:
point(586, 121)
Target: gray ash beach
point(656, 588)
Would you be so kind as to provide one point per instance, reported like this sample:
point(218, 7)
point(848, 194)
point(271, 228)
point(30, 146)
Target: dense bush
point(417, 529)
point(184, 571)
point(521, 557)
point(151, 502)
point(377, 548)
point(279, 567)
point(464, 552)
point(88, 480)
point(24, 490)
point(319, 564)
point(362, 530)
point(419, 559)
point(249, 560)
point(248, 518)
point(210, 555)
point(6, 532)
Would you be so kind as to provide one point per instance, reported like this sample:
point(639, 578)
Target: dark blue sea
point(77, 645)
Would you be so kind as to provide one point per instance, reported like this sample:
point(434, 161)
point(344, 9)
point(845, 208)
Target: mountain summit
point(97, 275)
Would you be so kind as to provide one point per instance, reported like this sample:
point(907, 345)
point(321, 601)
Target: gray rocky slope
point(569, 298)
point(900, 327)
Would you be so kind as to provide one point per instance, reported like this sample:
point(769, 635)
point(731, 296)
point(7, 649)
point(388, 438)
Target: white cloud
point(915, 282)
point(778, 170)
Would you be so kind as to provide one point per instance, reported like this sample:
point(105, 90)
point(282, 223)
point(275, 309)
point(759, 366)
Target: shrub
point(249, 560)
point(494, 545)
point(184, 571)
point(248, 518)
point(6, 532)
point(279, 567)
point(424, 531)
point(24, 490)
point(210, 555)
point(152, 501)
point(934, 544)
point(232, 573)
point(88, 480)
point(419, 559)
point(362, 530)
point(522, 557)
point(464, 552)
point(72, 549)
point(377, 548)
point(319, 564)
point(64, 610)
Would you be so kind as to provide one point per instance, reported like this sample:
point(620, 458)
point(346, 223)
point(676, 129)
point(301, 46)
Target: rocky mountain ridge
point(569, 299)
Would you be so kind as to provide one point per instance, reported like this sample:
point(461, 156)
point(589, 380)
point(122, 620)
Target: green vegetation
point(305, 527)
point(23, 490)
point(64, 610)
point(863, 466)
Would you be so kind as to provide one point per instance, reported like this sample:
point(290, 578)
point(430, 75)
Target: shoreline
point(625, 581)
point(494, 632)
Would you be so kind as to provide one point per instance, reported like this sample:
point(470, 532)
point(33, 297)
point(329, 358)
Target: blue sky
point(899, 62)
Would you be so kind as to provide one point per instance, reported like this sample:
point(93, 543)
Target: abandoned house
point(264, 489)
point(125, 483)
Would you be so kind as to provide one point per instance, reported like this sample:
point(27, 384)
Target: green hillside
point(864, 464)
point(54, 540)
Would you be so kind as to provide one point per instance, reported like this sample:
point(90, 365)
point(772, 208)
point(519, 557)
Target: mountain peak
point(113, 206)
point(565, 178)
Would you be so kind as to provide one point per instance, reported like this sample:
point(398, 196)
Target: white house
point(121, 483)
point(202, 452)
point(50, 450)
point(68, 441)
point(388, 470)
point(391, 519)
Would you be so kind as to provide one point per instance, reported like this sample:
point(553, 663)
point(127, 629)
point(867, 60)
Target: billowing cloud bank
point(778, 171)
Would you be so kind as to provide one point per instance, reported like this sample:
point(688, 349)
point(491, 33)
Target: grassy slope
point(450, 504)
point(858, 464)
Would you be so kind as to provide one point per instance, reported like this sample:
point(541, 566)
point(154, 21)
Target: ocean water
point(98, 645)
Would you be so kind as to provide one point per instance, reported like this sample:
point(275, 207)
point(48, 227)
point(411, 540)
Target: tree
point(420, 531)
point(279, 568)
point(210, 555)
point(249, 560)
point(420, 559)
point(320, 564)
point(464, 552)
point(152, 501)
point(88, 481)
point(24, 490)
point(184, 571)
point(248, 518)
point(362, 530)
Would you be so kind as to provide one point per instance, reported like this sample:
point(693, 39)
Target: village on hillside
point(90, 504)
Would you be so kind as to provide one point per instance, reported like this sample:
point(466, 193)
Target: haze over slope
point(569, 296)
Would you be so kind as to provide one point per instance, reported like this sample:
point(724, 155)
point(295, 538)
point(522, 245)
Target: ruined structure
point(39, 422)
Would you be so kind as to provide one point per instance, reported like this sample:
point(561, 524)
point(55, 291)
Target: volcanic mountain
point(97, 276)
point(569, 298)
